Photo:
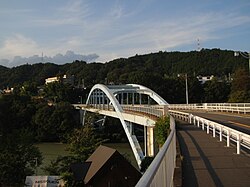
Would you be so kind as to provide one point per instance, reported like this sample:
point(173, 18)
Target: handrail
point(218, 107)
point(161, 170)
point(157, 111)
point(240, 138)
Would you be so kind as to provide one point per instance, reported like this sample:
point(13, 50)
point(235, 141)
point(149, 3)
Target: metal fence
point(161, 170)
point(240, 138)
point(218, 107)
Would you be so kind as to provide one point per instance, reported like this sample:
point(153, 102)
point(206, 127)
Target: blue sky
point(98, 30)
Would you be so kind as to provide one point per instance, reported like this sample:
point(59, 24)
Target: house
point(65, 79)
point(106, 167)
point(203, 79)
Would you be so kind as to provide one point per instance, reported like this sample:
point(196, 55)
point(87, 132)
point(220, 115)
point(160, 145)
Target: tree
point(162, 130)
point(81, 144)
point(57, 91)
point(54, 123)
point(215, 91)
point(18, 158)
point(240, 91)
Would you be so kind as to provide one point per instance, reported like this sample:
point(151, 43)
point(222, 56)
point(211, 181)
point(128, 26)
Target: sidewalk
point(208, 162)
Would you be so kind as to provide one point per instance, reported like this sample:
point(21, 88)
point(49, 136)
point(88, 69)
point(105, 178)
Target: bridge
point(137, 104)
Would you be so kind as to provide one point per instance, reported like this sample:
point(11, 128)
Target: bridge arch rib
point(102, 96)
point(118, 109)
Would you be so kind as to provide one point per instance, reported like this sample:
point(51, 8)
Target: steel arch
point(118, 109)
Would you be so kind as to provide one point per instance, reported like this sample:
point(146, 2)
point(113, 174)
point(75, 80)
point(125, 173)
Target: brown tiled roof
point(98, 159)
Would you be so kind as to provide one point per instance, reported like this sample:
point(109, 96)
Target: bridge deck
point(208, 162)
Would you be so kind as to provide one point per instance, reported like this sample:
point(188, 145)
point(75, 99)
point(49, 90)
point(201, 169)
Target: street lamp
point(245, 55)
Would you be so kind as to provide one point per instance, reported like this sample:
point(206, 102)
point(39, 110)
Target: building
point(203, 79)
point(8, 90)
point(65, 79)
point(106, 167)
point(52, 79)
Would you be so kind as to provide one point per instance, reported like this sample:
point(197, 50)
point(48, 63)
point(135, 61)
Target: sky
point(61, 31)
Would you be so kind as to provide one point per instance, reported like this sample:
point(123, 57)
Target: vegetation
point(81, 144)
point(18, 158)
point(162, 130)
point(145, 163)
point(162, 72)
point(240, 91)
point(35, 112)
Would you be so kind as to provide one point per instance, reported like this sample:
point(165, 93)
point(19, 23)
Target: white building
point(65, 79)
point(51, 79)
point(203, 79)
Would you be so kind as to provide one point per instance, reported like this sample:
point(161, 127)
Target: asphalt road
point(238, 122)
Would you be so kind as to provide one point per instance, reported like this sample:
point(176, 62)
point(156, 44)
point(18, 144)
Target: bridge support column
point(82, 116)
point(150, 141)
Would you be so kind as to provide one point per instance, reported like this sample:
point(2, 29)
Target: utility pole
point(186, 88)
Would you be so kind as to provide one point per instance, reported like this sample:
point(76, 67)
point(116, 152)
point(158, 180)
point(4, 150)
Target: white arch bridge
point(130, 103)
point(136, 104)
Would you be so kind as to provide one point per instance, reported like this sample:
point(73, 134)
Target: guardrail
point(161, 170)
point(153, 110)
point(157, 111)
point(240, 138)
point(218, 107)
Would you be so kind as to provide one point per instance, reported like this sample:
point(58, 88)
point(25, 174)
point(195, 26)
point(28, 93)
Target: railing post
point(203, 124)
point(198, 122)
point(228, 138)
point(220, 133)
point(207, 127)
point(238, 143)
point(190, 118)
point(213, 130)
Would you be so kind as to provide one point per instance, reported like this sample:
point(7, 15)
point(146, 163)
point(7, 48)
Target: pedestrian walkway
point(208, 162)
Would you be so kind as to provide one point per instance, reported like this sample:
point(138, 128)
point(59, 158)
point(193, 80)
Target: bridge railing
point(153, 110)
point(240, 138)
point(218, 107)
point(157, 111)
point(161, 170)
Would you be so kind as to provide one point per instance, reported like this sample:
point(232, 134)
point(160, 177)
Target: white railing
point(154, 110)
point(218, 107)
point(240, 138)
point(161, 170)
point(157, 111)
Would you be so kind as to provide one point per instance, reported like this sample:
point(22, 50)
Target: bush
point(162, 130)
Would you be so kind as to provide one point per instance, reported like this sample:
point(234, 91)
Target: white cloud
point(18, 45)
point(59, 58)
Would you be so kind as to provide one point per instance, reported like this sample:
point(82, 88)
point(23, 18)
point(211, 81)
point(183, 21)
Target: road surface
point(235, 121)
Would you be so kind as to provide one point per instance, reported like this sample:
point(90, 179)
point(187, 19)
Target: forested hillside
point(158, 71)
